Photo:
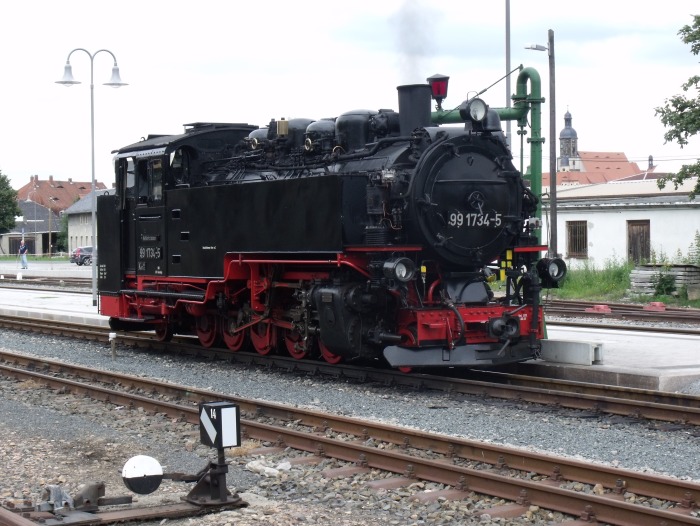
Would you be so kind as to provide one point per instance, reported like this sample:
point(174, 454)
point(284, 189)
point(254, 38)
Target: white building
point(80, 221)
point(624, 221)
point(608, 209)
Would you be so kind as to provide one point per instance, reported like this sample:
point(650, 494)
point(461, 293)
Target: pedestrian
point(23, 254)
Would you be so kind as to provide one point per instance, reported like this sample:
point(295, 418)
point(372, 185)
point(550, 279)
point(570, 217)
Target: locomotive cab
point(136, 224)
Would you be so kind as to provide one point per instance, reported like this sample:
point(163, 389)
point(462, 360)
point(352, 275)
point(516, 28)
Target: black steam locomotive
point(370, 236)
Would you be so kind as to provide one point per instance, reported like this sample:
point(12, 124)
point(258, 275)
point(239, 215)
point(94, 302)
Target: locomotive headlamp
point(438, 88)
point(476, 110)
point(551, 271)
point(401, 269)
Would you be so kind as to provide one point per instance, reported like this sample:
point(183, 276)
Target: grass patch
point(612, 284)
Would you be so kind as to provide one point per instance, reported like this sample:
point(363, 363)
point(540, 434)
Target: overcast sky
point(227, 61)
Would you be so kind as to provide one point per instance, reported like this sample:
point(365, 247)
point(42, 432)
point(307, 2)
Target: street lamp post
point(115, 82)
point(552, 143)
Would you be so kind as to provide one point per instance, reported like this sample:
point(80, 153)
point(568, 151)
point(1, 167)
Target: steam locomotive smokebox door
point(219, 424)
point(469, 201)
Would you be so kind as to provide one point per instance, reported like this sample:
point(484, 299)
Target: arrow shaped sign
point(208, 426)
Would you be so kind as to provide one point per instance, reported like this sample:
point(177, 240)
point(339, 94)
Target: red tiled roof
point(596, 168)
point(54, 194)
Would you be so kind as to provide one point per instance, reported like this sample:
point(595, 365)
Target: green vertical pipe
point(522, 103)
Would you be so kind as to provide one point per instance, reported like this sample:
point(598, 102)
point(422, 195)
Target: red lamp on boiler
point(438, 87)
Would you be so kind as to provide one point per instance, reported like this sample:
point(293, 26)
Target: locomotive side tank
point(372, 236)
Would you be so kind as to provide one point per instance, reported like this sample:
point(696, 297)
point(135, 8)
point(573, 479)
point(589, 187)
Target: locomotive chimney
point(414, 107)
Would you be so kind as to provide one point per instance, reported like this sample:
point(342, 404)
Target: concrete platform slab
point(637, 359)
point(572, 352)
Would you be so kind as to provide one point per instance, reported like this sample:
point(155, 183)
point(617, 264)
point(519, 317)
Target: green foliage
point(9, 209)
point(664, 283)
point(658, 258)
point(681, 114)
point(610, 283)
point(62, 234)
point(694, 251)
point(691, 35)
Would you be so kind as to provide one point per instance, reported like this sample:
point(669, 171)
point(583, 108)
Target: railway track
point(75, 285)
point(679, 409)
point(611, 313)
point(651, 312)
point(619, 325)
point(588, 491)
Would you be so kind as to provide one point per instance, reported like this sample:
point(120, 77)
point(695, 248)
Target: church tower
point(568, 147)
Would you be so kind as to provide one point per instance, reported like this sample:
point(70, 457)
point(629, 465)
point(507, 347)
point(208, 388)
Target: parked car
point(81, 256)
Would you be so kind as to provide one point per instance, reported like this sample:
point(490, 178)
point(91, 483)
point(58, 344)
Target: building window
point(577, 239)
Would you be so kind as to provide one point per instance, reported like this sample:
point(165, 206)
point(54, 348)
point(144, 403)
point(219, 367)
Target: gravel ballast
point(83, 435)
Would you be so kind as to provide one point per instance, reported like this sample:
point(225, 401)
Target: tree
point(682, 114)
point(62, 236)
point(9, 209)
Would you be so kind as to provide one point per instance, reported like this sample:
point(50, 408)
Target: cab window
point(155, 180)
point(149, 180)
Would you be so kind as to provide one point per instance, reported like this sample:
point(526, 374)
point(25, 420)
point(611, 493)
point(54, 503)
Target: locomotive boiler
point(372, 237)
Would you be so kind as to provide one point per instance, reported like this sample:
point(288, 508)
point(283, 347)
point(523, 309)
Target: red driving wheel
point(327, 355)
point(233, 340)
point(207, 329)
point(164, 332)
point(297, 346)
point(262, 336)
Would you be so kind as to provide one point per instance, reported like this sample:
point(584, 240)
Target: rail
point(509, 475)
